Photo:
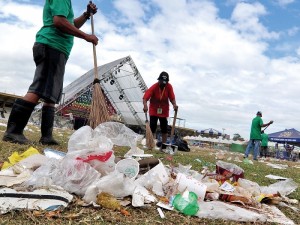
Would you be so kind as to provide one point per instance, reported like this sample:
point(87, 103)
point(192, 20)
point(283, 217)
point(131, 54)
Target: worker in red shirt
point(159, 95)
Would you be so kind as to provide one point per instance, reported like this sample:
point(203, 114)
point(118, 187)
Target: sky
point(226, 59)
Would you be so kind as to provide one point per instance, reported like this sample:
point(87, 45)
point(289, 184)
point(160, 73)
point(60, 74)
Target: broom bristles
point(149, 137)
point(99, 113)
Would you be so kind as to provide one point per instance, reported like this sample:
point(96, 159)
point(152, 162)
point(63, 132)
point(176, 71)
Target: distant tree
point(237, 137)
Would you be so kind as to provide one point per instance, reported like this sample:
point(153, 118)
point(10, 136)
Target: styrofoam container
point(129, 167)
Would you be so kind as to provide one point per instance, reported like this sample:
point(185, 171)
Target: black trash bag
point(178, 141)
point(182, 145)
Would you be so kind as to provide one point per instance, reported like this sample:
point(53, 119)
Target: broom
point(173, 126)
point(98, 112)
point(149, 136)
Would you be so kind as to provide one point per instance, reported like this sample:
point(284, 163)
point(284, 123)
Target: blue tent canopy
point(210, 131)
point(287, 135)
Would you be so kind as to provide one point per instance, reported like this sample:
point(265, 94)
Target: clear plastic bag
point(87, 146)
point(42, 176)
point(74, 175)
point(118, 133)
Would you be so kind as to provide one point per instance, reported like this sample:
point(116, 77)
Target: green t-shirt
point(49, 34)
point(255, 133)
point(264, 139)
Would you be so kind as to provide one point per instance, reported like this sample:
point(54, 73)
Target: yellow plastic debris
point(16, 157)
point(106, 200)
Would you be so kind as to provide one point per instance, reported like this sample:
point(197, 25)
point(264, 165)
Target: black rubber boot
point(18, 118)
point(48, 113)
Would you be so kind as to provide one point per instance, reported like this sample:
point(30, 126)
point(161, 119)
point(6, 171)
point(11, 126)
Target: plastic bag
point(186, 203)
point(80, 138)
point(75, 176)
point(118, 133)
point(116, 184)
point(104, 167)
point(86, 146)
point(42, 176)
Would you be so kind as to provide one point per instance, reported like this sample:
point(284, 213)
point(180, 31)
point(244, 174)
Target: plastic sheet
point(283, 187)
point(221, 210)
point(252, 187)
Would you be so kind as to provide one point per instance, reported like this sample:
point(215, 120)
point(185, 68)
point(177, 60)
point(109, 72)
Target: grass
point(77, 214)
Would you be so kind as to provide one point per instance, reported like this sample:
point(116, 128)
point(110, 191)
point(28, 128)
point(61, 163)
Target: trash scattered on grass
point(90, 170)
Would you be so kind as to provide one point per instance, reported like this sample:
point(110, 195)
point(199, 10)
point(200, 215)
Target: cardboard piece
point(40, 199)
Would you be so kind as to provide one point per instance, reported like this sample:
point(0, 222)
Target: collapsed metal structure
point(123, 88)
point(122, 85)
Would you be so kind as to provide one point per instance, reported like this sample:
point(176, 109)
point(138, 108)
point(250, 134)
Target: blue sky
point(227, 59)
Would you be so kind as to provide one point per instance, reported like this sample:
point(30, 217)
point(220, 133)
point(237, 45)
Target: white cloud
point(293, 31)
point(284, 2)
point(246, 19)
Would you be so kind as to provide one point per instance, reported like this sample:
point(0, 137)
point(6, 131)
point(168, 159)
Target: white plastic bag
point(116, 184)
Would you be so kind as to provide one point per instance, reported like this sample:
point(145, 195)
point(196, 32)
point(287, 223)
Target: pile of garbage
point(91, 171)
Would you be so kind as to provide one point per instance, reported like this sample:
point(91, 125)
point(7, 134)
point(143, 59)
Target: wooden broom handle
point(174, 122)
point(94, 49)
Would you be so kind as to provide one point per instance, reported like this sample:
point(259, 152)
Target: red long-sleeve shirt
point(159, 98)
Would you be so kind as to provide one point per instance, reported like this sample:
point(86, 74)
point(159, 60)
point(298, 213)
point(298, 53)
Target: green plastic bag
point(187, 203)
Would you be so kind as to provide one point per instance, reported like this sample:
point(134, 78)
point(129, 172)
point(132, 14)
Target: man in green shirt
point(255, 135)
point(51, 50)
point(264, 144)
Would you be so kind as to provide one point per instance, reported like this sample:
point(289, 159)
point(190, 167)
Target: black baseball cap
point(164, 77)
point(259, 113)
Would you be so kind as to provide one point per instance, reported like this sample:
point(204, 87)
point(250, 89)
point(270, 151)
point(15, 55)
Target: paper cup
point(129, 167)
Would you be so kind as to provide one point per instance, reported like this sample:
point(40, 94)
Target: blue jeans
point(255, 145)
